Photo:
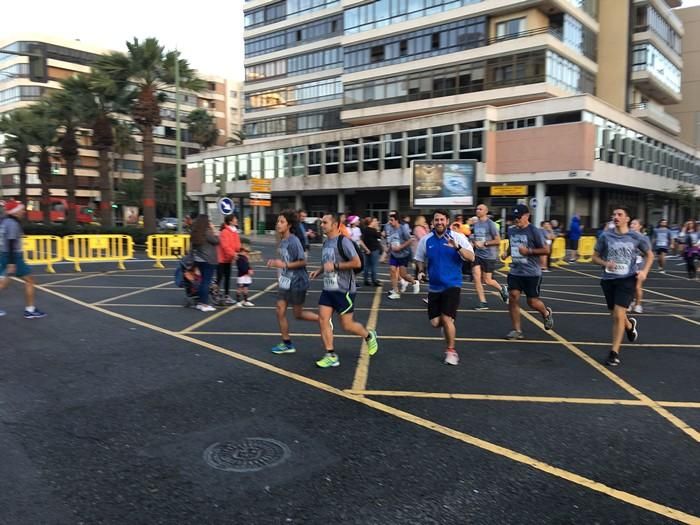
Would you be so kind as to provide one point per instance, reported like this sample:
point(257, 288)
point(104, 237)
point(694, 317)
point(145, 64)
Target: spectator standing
point(574, 236)
point(371, 238)
point(228, 248)
point(204, 243)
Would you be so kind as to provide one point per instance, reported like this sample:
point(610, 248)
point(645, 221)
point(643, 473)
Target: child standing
point(245, 277)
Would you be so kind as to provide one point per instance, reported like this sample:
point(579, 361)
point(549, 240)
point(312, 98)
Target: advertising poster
point(440, 184)
point(131, 214)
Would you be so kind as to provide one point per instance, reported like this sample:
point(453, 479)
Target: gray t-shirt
point(530, 237)
point(485, 231)
point(662, 238)
point(10, 230)
point(622, 249)
point(342, 280)
point(397, 236)
point(291, 250)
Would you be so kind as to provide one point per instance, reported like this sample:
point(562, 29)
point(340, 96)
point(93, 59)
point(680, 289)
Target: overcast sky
point(209, 35)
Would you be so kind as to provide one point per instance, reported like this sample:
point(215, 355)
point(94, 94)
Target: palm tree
point(43, 136)
point(150, 69)
point(202, 128)
point(18, 126)
point(236, 138)
point(123, 142)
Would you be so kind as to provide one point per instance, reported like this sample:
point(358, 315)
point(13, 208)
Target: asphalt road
point(124, 407)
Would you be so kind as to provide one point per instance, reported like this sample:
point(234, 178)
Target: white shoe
point(205, 308)
point(247, 303)
point(662, 271)
point(404, 285)
point(630, 307)
point(638, 309)
point(416, 286)
point(451, 358)
point(394, 295)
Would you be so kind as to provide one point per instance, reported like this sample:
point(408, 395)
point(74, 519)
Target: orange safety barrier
point(558, 254)
point(98, 248)
point(586, 245)
point(43, 249)
point(162, 247)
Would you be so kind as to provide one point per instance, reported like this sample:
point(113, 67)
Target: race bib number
point(330, 281)
point(284, 282)
point(619, 269)
point(661, 243)
point(515, 252)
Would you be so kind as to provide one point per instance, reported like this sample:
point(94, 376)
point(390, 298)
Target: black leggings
point(690, 265)
point(224, 270)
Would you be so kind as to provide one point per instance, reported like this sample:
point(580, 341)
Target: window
point(510, 28)
point(351, 155)
point(376, 54)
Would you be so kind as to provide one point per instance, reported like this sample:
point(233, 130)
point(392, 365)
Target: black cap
point(519, 210)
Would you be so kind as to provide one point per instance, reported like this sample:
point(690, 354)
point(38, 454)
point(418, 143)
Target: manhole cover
point(247, 455)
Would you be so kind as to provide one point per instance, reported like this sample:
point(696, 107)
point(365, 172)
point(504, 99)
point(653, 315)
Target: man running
point(338, 258)
point(486, 242)
point(399, 240)
point(662, 241)
point(525, 243)
point(293, 280)
point(616, 251)
point(442, 251)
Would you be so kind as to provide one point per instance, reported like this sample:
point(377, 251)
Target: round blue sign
point(226, 206)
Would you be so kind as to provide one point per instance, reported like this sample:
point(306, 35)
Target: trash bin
point(261, 228)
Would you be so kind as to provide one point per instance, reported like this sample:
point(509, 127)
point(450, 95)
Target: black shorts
point(486, 265)
point(661, 250)
point(292, 296)
point(341, 302)
point(529, 285)
point(443, 303)
point(573, 244)
point(619, 292)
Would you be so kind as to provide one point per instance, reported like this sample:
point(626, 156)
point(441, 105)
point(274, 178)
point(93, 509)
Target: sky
point(208, 35)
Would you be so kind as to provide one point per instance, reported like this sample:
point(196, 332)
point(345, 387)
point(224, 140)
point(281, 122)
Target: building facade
point(68, 57)
point(558, 95)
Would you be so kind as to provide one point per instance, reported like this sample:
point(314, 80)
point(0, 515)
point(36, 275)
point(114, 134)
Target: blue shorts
point(398, 261)
point(341, 302)
point(22, 267)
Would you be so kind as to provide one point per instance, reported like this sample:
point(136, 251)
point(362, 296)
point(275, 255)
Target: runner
point(486, 242)
point(12, 257)
point(399, 241)
point(636, 305)
point(616, 251)
point(338, 291)
point(293, 279)
point(442, 252)
point(662, 241)
point(525, 245)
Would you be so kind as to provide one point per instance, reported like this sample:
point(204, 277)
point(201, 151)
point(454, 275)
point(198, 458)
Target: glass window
point(510, 28)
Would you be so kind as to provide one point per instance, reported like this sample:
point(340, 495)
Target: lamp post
point(178, 167)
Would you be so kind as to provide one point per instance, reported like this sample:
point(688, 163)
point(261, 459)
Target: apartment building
point(567, 97)
point(68, 57)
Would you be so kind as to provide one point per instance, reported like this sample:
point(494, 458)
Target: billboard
point(443, 183)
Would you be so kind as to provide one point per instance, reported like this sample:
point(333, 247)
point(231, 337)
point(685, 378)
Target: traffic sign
point(260, 203)
point(508, 191)
point(533, 203)
point(262, 185)
point(260, 196)
point(226, 206)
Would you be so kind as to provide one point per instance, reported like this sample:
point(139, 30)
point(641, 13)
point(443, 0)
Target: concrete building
point(557, 95)
point(68, 57)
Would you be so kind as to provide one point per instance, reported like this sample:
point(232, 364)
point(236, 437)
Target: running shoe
point(613, 359)
point(416, 286)
point(328, 361)
point(36, 314)
point(228, 300)
point(549, 320)
point(425, 300)
point(372, 343)
point(201, 307)
point(638, 309)
point(404, 285)
point(514, 334)
point(662, 271)
point(546, 270)
point(2, 312)
point(376, 283)
point(632, 332)
point(451, 357)
point(393, 295)
point(482, 306)
point(283, 348)
point(247, 303)
point(504, 293)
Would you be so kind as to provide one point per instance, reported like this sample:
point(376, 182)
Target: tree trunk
point(105, 189)
point(70, 193)
point(23, 182)
point(45, 178)
point(149, 201)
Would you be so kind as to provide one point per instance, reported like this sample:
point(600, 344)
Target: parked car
point(168, 224)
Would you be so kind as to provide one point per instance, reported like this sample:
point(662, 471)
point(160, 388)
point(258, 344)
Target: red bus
point(59, 207)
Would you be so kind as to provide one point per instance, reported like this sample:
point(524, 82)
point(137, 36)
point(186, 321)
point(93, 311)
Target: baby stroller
point(187, 276)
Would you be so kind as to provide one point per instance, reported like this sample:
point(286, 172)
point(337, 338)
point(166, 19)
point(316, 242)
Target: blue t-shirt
point(291, 250)
point(10, 230)
point(622, 248)
point(530, 237)
point(662, 237)
point(398, 236)
point(444, 263)
point(485, 231)
point(342, 280)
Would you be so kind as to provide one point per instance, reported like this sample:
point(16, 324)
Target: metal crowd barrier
point(43, 249)
point(502, 248)
point(98, 248)
point(586, 245)
point(163, 247)
point(558, 254)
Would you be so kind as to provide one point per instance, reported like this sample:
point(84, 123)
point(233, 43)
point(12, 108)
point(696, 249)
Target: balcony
point(655, 114)
point(650, 84)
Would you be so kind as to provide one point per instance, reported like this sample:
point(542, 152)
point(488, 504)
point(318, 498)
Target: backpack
point(345, 258)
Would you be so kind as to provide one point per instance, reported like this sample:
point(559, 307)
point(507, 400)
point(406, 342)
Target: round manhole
point(247, 455)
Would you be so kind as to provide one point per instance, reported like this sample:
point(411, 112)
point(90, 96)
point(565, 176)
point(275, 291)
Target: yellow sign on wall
point(508, 191)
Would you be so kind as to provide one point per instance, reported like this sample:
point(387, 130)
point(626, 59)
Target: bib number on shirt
point(330, 281)
point(284, 282)
point(619, 269)
point(515, 252)
point(661, 243)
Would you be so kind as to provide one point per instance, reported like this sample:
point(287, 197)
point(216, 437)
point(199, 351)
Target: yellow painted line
point(362, 369)
point(649, 402)
point(129, 294)
point(686, 319)
point(513, 455)
point(212, 317)
point(523, 399)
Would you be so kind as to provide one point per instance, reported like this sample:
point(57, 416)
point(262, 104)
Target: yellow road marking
point(523, 399)
point(225, 310)
point(626, 497)
point(649, 402)
point(129, 294)
point(362, 369)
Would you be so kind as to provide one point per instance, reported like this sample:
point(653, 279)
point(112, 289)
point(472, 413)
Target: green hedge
point(61, 230)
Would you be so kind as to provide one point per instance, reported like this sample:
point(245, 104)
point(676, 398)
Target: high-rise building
point(221, 99)
point(565, 97)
